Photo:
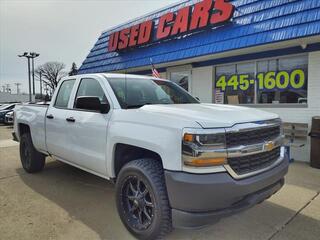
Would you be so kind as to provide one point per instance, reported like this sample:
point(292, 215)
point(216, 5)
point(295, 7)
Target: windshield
point(135, 93)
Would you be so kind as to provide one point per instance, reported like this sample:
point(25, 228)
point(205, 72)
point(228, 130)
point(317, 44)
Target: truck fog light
point(206, 162)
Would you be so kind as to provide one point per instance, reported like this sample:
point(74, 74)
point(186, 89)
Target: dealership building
point(254, 53)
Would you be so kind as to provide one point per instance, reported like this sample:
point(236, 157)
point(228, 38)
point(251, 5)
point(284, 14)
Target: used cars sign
point(187, 19)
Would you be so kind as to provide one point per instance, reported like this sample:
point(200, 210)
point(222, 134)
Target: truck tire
point(32, 160)
point(142, 199)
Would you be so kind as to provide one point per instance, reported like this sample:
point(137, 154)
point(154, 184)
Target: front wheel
point(142, 200)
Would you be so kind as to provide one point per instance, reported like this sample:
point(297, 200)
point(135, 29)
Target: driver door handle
point(50, 116)
point(70, 119)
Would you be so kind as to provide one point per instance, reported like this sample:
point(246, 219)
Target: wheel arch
point(124, 153)
point(23, 128)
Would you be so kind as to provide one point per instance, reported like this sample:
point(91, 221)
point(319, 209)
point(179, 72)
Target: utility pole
point(46, 88)
point(30, 97)
point(8, 88)
point(18, 89)
point(33, 85)
point(40, 84)
point(33, 56)
point(28, 56)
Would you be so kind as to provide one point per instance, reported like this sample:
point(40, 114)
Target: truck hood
point(210, 115)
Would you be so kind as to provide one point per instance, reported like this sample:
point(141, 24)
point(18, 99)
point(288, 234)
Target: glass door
point(182, 78)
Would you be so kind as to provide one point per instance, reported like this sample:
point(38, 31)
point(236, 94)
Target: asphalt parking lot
point(63, 202)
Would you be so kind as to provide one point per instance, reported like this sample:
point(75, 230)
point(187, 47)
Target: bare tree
point(51, 73)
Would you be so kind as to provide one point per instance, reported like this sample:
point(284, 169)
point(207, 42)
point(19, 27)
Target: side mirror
point(91, 104)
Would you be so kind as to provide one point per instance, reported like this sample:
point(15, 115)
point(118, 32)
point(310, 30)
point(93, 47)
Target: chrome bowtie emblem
point(269, 146)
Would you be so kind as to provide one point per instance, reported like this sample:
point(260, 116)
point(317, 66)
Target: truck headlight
point(202, 149)
point(212, 140)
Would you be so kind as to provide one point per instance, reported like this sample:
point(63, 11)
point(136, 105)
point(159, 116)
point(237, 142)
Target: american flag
point(155, 72)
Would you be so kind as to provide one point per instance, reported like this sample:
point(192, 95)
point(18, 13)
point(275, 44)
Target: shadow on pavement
point(8, 126)
point(90, 200)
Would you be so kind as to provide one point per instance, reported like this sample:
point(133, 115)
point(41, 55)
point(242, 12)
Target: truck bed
point(34, 116)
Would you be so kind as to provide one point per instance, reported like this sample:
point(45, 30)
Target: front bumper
point(200, 199)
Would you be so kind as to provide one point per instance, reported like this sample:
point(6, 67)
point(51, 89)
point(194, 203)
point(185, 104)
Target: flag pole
point(154, 71)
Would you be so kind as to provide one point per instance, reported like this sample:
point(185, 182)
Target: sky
point(60, 30)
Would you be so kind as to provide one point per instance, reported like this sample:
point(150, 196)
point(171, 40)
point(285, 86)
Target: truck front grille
point(251, 163)
point(248, 137)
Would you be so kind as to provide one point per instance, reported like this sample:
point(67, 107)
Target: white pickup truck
point(176, 162)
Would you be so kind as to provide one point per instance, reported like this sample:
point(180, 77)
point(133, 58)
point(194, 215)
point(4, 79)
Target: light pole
point(28, 56)
point(33, 56)
point(18, 89)
point(40, 85)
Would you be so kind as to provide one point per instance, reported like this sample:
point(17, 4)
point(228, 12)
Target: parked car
point(8, 119)
point(4, 109)
point(175, 162)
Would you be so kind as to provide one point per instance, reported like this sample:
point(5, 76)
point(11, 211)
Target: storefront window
point(283, 80)
point(271, 81)
point(233, 80)
point(181, 78)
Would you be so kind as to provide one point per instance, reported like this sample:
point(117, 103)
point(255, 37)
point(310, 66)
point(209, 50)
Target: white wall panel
point(202, 84)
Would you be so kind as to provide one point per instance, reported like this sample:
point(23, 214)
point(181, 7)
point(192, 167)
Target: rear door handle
point(70, 119)
point(50, 116)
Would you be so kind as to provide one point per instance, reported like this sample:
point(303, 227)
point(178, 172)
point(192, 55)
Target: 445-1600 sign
point(265, 81)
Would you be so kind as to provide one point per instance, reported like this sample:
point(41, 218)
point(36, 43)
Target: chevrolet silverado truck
point(175, 162)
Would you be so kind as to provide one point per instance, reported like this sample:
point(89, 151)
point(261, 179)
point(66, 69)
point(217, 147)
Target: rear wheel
point(142, 199)
point(32, 160)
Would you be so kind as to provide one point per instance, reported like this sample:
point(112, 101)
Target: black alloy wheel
point(138, 203)
point(142, 199)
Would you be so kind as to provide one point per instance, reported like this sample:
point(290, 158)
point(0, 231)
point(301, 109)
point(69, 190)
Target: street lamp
point(33, 56)
point(40, 80)
point(26, 55)
point(40, 84)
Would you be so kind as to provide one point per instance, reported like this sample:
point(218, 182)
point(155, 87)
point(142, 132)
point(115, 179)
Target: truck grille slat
point(234, 139)
point(250, 163)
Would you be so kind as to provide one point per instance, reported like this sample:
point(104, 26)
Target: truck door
point(87, 129)
point(56, 125)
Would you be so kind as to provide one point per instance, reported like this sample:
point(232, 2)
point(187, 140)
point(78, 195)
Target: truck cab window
point(91, 88)
point(64, 94)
